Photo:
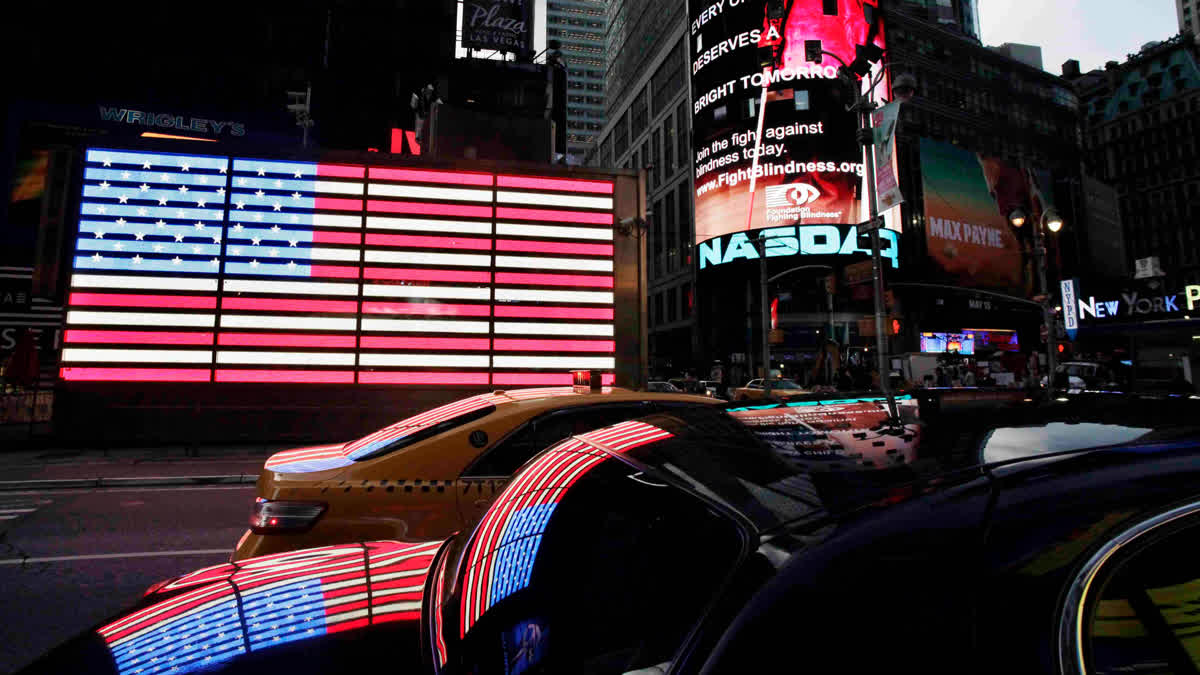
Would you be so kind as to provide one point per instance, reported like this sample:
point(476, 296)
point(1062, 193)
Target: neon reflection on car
point(501, 555)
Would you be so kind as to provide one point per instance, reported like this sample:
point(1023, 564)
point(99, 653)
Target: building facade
point(1140, 120)
point(974, 99)
point(578, 25)
point(1186, 13)
point(649, 127)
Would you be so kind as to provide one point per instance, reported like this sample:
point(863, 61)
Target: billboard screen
point(504, 25)
point(201, 268)
point(968, 198)
point(939, 343)
point(773, 144)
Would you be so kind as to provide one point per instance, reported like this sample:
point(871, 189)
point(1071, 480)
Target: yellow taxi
point(775, 388)
point(427, 476)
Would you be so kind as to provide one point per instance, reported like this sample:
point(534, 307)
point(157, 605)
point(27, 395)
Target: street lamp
point(904, 88)
point(1053, 222)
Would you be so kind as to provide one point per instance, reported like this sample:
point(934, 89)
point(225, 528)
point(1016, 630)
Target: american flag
point(289, 302)
point(283, 598)
point(427, 292)
point(503, 547)
point(144, 290)
point(554, 279)
point(200, 268)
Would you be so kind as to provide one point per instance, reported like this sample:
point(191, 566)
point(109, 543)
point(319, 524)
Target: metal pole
point(876, 264)
point(763, 307)
point(1039, 253)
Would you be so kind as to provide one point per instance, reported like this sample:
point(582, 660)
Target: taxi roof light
point(587, 381)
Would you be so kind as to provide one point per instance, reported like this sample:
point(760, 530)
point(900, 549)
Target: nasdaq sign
point(799, 240)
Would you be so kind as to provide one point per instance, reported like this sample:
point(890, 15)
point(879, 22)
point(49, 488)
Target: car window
point(540, 433)
point(1143, 618)
point(619, 574)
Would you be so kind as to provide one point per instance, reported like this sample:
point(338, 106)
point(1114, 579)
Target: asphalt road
point(89, 553)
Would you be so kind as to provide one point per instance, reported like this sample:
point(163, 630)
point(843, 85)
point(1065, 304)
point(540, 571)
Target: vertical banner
point(1070, 306)
point(883, 124)
point(504, 25)
point(773, 143)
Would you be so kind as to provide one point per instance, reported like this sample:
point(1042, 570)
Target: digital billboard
point(968, 199)
point(201, 268)
point(773, 143)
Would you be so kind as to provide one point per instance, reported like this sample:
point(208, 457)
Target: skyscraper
point(579, 26)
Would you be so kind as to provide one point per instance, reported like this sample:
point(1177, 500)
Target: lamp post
point(904, 87)
point(1049, 220)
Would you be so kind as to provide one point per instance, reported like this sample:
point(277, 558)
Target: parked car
point(429, 475)
point(662, 387)
point(756, 389)
point(1025, 537)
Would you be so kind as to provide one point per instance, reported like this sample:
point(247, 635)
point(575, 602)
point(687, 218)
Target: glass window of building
point(668, 146)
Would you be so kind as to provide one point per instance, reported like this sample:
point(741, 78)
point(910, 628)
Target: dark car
point(1016, 537)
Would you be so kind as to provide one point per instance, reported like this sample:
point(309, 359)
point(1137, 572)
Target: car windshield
point(783, 384)
point(721, 458)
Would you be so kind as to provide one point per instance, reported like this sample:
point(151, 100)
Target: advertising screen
point(773, 143)
point(968, 198)
point(938, 343)
point(505, 25)
point(198, 268)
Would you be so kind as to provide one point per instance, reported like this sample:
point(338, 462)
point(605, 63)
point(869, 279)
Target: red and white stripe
point(554, 279)
point(139, 328)
point(427, 280)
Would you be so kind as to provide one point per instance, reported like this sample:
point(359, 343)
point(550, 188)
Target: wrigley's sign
point(172, 122)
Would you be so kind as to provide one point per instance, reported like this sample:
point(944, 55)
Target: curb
point(144, 481)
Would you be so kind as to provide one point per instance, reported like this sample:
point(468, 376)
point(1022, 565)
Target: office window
point(655, 157)
point(668, 147)
point(682, 137)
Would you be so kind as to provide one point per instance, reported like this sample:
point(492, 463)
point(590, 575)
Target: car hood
point(287, 612)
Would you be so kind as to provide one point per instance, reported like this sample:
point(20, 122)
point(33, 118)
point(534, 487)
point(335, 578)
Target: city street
point(71, 558)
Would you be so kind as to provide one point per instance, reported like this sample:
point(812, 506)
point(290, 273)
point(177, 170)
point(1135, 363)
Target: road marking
point(109, 556)
point(17, 510)
point(106, 490)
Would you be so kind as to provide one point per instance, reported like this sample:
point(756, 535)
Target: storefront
point(1149, 333)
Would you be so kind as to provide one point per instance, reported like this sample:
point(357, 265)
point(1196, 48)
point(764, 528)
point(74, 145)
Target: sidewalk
point(168, 465)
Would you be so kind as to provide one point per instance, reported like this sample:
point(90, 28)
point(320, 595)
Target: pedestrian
point(968, 377)
point(942, 379)
point(845, 381)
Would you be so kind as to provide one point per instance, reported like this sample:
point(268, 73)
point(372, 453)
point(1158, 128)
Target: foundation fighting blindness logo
point(791, 195)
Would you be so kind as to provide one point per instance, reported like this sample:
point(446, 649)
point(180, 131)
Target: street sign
point(869, 226)
point(1070, 314)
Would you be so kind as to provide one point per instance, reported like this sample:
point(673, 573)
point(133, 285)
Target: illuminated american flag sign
point(233, 269)
point(504, 546)
point(239, 608)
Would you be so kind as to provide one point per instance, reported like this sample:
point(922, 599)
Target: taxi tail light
point(275, 516)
